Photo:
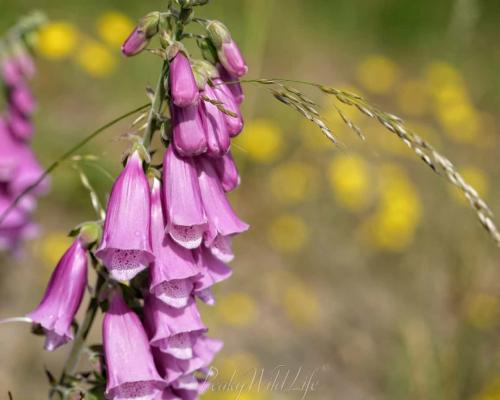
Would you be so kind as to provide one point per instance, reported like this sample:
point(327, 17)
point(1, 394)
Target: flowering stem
point(74, 356)
point(155, 108)
point(64, 157)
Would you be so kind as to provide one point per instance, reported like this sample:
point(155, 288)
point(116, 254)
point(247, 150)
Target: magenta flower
point(186, 220)
point(9, 153)
point(63, 296)
point(222, 220)
point(174, 268)
point(25, 64)
point(216, 131)
point(22, 99)
point(234, 124)
point(131, 371)
point(19, 125)
point(173, 330)
point(136, 42)
point(231, 58)
point(188, 130)
point(233, 84)
point(213, 272)
point(125, 248)
point(11, 74)
point(183, 87)
point(28, 171)
point(227, 172)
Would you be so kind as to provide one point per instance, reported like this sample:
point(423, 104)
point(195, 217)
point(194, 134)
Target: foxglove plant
point(19, 167)
point(165, 238)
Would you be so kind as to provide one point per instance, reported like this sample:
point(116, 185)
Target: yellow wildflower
point(288, 233)
point(96, 59)
point(377, 74)
point(57, 40)
point(114, 27)
point(262, 141)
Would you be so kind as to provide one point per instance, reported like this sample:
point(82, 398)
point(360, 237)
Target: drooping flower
point(174, 270)
point(227, 172)
point(9, 153)
point(131, 371)
point(140, 37)
point(213, 272)
point(227, 50)
point(173, 330)
point(125, 248)
point(19, 124)
point(22, 99)
point(63, 296)
point(183, 87)
point(222, 220)
point(233, 84)
point(186, 220)
point(231, 58)
point(218, 140)
point(188, 129)
point(234, 123)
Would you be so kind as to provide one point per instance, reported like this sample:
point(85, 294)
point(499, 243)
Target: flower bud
point(228, 52)
point(142, 34)
point(218, 33)
point(183, 86)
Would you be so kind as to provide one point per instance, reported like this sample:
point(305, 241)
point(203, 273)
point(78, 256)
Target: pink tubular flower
point(22, 99)
point(222, 220)
point(19, 124)
point(11, 73)
point(9, 153)
point(125, 248)
point(183, 87)
point(188, 130)
point(234, 124)
point(131, 371)
point(135, 43)
point(173, 330)
point(227, 172)
point(174, 268)
point(63, 296)
point(217, 135)
point(233, 84)
point(186, 220)
point(213, 272)
point(231, 58)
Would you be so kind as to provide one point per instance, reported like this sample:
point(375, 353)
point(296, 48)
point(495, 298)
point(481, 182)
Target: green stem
point(84, 330)
point(155, 107)
point(64, 157)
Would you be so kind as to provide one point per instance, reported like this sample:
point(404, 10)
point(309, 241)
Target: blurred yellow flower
point(393, 225)
point(350, 181)
point(412, 98)
point(483, 311)
point(288, 233)
point(57, 40)
point(114, 27)
point(460, 121)
point(96, 59)
point(440, 74)
point(237, 309)
point(491, 391)
point(262, 141)
point(301, 304)
point(293, 182)
point(238, 363)
point(377, 74)
point(475, 177)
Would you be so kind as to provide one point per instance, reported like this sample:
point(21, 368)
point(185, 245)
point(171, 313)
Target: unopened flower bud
point(227, 50)
point(218, 33)
point(191, 3)
point(142, 34)
point(183, 86)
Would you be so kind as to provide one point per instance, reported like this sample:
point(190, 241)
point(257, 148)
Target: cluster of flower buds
point(19, 167)
point(169, 229)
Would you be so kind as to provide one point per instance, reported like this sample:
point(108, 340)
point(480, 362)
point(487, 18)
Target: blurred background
point(362, 270)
